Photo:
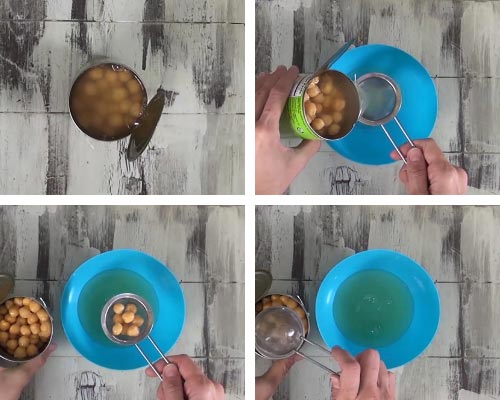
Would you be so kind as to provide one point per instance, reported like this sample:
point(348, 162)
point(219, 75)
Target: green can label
point(295, 110)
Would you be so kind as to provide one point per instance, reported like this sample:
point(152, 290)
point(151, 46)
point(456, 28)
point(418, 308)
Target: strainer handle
point(324, 349)
point(394, 143)
point(149, 362)
point(158, 349)
point(317, 363)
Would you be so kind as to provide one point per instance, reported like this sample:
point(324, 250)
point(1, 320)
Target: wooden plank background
point(203, 246)
point(194, 49)
point(457, 245)
point(458, 42)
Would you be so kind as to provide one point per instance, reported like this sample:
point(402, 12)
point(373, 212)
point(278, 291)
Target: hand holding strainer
point(144, 311)
point(279, 334)
point(381, 100)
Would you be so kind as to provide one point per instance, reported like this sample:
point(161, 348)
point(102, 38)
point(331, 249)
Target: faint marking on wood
point(90, 386)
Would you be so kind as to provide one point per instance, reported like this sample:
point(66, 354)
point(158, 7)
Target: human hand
point(14, 380)
point(183, 379)
point(362, 378)
point(267, 384)
point(276, 166)
point(428, 171)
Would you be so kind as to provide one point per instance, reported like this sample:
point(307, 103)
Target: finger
point(335, 384)
point(263, 76)
point(278, 371)
point(463, 179)
point(159, 365)
point(350, 376)
point(265, 86)
point(392, 386)
point(369, 361)
point(187, 367)
point(403, 175)
point(429, 147)
point(383, 378)
point(416, 169)
point(33, 366)
point(305, 151)
point(277, 98)
point(171, 387)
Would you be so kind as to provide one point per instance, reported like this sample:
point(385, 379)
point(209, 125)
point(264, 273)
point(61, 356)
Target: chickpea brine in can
point(323, 106)
point(107, 100)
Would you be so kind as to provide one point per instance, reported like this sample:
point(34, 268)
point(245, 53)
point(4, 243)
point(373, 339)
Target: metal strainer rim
point(148, 324)
point(397, 94)
point(265, 354)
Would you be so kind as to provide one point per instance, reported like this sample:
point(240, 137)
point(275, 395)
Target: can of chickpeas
point(283, 300)
point(26, 326)
point(323, 106)
point(107, 100)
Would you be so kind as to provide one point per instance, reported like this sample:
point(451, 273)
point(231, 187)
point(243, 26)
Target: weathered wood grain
point(197, 57)
point(457, 246)
point(203, 246)
point(456, 40)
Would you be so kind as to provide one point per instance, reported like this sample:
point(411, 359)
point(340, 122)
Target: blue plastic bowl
point(425, 296)
point(169, 302)
point(368, 144)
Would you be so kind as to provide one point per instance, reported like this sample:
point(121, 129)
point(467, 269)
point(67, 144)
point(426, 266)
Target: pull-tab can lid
point(263, 282)
point(6, 286)
point(335, 57)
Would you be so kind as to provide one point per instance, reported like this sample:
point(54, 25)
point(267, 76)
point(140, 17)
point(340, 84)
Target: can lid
point(142, 133)
point(334, 58)
point(263, 282)
point(6, 285)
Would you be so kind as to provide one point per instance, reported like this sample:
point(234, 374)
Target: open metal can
point(29, 341)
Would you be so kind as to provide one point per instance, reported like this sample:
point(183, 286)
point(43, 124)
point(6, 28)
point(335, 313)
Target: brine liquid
point(103, 287)
point(373, 308)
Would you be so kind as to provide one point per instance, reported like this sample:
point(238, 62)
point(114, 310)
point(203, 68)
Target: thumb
point(416, 170)
point(335, 385)
point(306, 150)
point(171, 388)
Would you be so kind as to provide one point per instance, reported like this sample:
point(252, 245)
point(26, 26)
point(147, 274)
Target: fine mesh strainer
point(143, 310)
point(279, 334)
point(381, 101)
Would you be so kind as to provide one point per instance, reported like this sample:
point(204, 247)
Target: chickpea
point(117, 319)
point(10, 319)
point(310, 108)
point(131, 307)
point(338, 104)
point(133, 86)
point(34, 339)
point(102, 85)
point(326, 85)
point(117, 329)
point(115, 120)
point(266, 300)
point(4, 336)
point(124, 76)
point(35, 328)
point(327, 119)
point(266, 306)
point(4, 325)
point(313, 91)
point(119, 94)
point(138, 321)
point(118, 308)
point(45, 327)
point(306, 324)
point(258, 307)
point(318, 99)
point(32, 319)
point(15, 329)
point(14, 311)
point(111, 76)
point(26, 301)
point(300, 312)
point(24, 341)
point(9, 303)
point(90, 89)
point(319, 108)
point(306, 97)
point(290, 303)
point(318, 124)
point(96, 73)
point(42, 315)
point(337, 117)
point(276, 303)
point(18, 301)
point(3, 310)
point(32, 350)
point(25, 330)
point(45, 336)
point(334, 129)
point(135, 110)
point(133, 331)
point(128, 317)
point(24, 312)
point(11, 344)
point(124, 106)
point(21, 321)
point(274, 297)
point(34, 307)
point(20, 352)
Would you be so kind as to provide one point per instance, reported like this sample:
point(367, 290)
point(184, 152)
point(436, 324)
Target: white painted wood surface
point(457, 246)
point(204, 248)
point(194, 50)
point(457, 41)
